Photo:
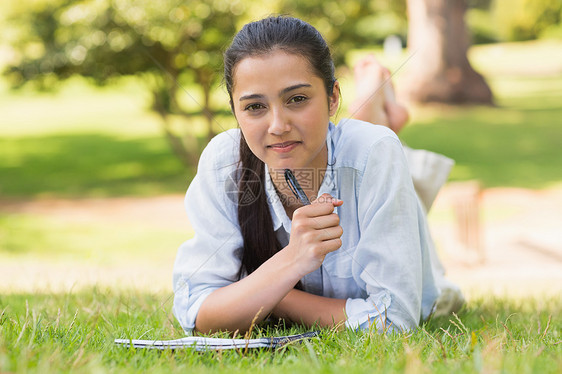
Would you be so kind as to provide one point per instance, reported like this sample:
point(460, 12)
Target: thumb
point(326, 197)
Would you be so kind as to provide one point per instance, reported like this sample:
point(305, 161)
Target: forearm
point(308, 309)
point(235, 306)
point(315, 233)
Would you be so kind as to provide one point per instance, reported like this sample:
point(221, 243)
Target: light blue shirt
point(383, 267)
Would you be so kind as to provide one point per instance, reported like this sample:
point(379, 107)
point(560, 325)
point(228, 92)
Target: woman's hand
point(315, 232)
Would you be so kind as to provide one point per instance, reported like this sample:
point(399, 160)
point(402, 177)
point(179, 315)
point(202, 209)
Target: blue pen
point(296, 187)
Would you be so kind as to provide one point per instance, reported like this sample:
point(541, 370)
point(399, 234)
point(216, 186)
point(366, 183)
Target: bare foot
point(375, 101)
point(397, 113)
point(369, 95)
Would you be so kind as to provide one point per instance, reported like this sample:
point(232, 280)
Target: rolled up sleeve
point(212, 258)
point(388, 261)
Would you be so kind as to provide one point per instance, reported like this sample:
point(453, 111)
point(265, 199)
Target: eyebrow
point(282, 92)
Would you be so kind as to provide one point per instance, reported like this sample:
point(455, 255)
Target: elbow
point(213, 320)
point(204, 328)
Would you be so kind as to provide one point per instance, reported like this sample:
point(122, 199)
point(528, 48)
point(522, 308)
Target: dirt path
point(521, 241)
point(521, 233)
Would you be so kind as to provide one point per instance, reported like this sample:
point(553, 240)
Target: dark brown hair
point(262, 37)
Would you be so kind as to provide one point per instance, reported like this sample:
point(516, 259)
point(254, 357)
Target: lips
point(284, 146)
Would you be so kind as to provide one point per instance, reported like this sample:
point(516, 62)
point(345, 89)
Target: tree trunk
point(187, 155)
point(439, 70)
point(207, 112)
point(163, 99)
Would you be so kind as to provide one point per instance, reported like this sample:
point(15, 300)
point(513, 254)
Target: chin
point(285, 164)
point(280, 163)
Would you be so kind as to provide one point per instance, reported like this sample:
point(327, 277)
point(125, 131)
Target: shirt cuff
point(186, 306)
point(364, 313)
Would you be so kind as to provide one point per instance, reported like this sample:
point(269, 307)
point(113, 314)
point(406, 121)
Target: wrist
point(288, 264)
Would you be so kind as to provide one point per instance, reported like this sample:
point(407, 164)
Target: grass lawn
point(75, 332)
point(516, 144)
point(513, 144)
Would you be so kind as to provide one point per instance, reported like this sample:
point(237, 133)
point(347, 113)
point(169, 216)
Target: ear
point(334, 99)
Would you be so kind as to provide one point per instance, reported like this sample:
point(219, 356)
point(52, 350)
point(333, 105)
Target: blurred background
point(105, 106)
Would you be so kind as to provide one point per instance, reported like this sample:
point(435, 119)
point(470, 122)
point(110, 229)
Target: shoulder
point(355, 141)
point(221, 153)
point(213, 182)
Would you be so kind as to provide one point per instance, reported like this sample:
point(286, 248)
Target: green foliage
point(74, 332)
point(479, 4)
point(108, 38)
point(104, 144)
point(169, 45)
point(351, 24)
point(481, 26)
point(526, 19)
point(490, 21)
point(185, 40)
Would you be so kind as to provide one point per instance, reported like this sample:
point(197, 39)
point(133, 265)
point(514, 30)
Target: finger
point(338, 202)
point(325, 198)
point(330, 233)
point(304, 224)
point(316, 209)
point(322, 222)
point(331, 245)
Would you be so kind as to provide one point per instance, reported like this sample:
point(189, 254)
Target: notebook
point(200, 343)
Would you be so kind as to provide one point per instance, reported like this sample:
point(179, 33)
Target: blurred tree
point(526, 19)
point(350, 25)
point(440, 70)
point(169, 44)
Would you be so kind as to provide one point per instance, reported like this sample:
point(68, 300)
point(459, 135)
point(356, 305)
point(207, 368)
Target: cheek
point(317, 117)
point(251, 135)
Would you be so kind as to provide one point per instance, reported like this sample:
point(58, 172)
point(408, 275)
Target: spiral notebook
point(200, 343)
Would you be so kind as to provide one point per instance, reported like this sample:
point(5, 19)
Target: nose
point(279, 122)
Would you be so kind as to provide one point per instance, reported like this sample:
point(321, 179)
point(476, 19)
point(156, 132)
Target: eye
point(254, 107)
point(297, 99)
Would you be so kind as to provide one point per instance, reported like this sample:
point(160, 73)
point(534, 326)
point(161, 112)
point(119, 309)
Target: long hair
point(260, 38)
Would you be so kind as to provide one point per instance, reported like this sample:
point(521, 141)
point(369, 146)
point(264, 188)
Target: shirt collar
point(278, 214)
point(276, 209)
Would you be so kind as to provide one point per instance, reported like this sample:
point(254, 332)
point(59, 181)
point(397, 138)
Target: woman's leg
point(375, 101)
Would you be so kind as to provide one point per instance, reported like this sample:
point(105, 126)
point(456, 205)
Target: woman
point(359, 255)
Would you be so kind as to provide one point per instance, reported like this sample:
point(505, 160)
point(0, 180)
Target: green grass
point(84, 141)
point(91, 164)
point(513, 144)
point(89, 142)
point(74, 333)
point(516, 144)
point(43, 237)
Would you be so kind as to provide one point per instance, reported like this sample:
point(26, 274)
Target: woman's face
point(283, 110)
